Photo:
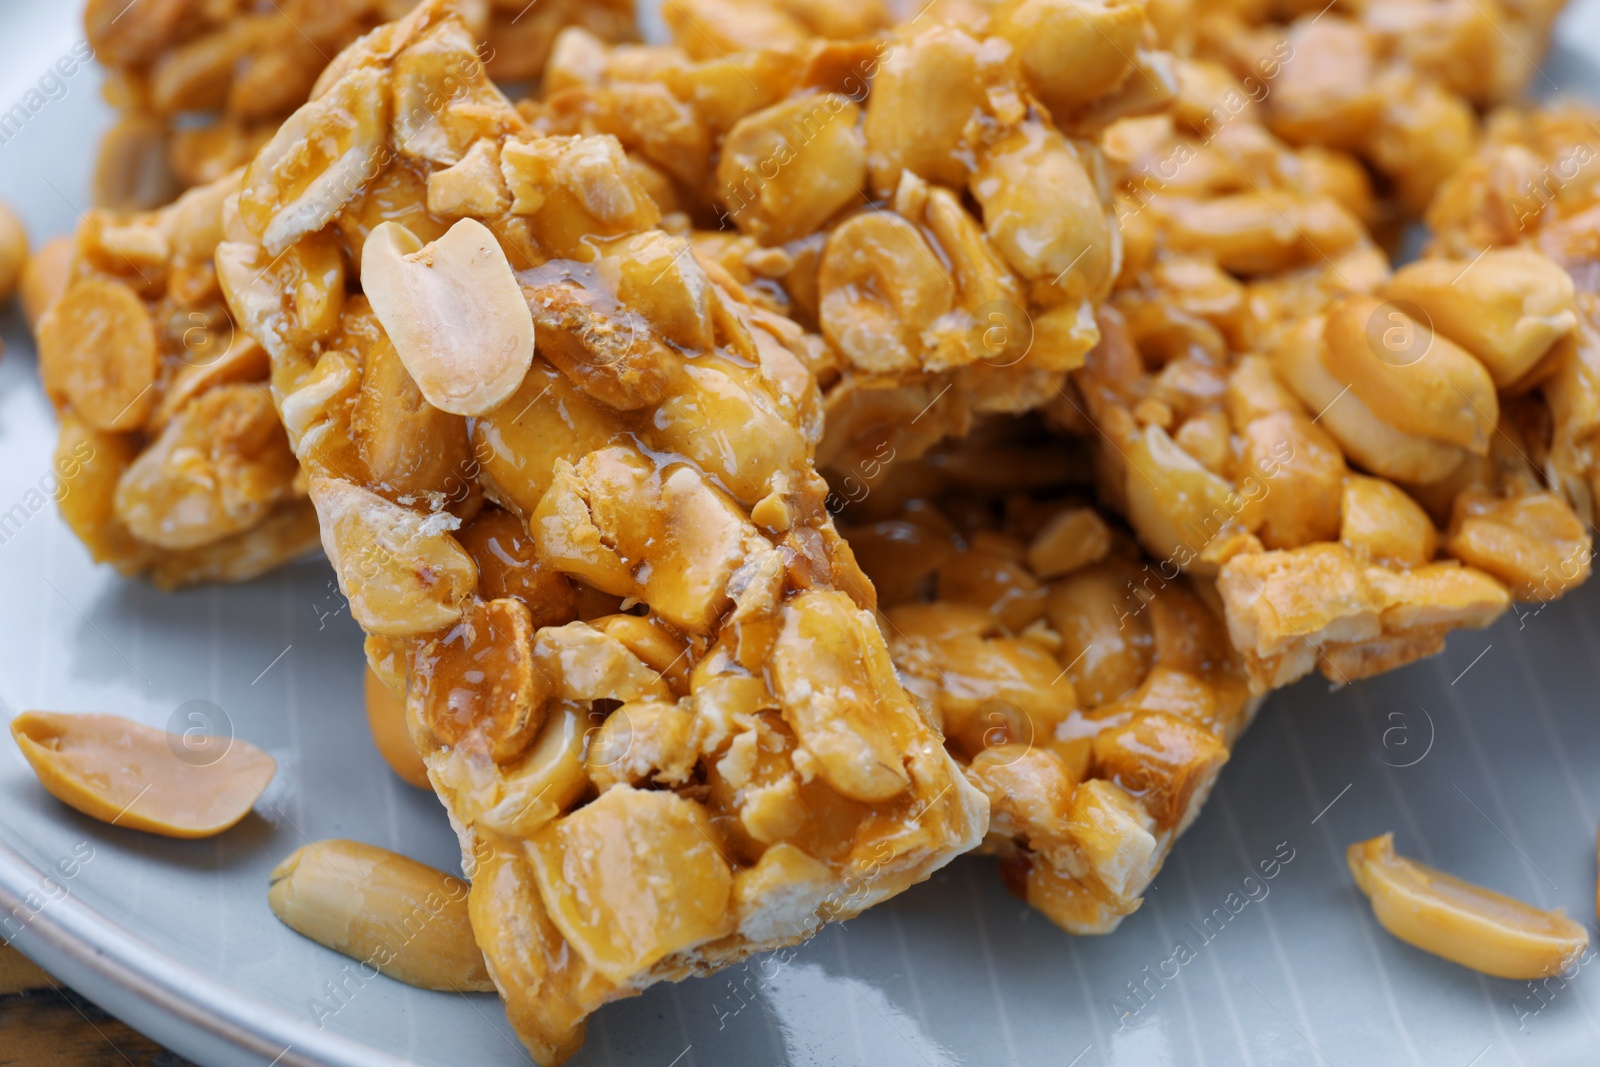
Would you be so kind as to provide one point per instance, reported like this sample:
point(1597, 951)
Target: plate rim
point(72, 940)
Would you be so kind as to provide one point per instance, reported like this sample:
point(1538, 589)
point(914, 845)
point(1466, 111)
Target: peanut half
point(454, 311)
point(128, 774)
point(1461, 922)
point(397, 916)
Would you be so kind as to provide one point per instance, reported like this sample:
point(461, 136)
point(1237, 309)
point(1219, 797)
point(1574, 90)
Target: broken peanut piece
point(1460, 922)
point(128, 774)
point(454, 312)
point(393, 914)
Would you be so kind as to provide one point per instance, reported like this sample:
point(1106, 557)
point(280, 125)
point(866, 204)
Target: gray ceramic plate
point(1485, 761)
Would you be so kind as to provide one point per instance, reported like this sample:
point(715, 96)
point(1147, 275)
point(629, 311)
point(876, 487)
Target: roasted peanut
point(1460, 922)
point(97, 353)
point(404, 574)
point(1506, 307)
point(391, 913)
point(128, 774)
point(218, 468)
point(454, 312)
point(788, 169)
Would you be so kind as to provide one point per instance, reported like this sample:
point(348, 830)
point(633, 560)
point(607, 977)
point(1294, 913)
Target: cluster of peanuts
point(1355, 455)
point(1397, 83)
point(637, 656)
point(1078, 315)
point(201, 85)
point(1091, 701)
point(175, 462)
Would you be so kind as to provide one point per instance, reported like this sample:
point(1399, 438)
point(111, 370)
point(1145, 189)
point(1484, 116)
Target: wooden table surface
point(45, 1024)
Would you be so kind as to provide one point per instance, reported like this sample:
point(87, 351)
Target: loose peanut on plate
point(1461, 922)
point(13, 252)
point(386, 717)
point(391, 913)
point(128, 774)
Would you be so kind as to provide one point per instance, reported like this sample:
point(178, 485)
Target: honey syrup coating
point(639, 660)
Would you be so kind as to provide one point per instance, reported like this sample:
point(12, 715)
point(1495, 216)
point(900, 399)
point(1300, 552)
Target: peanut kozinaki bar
point(1092, 701)
point(172, 457)
point(202, 84)
point(1398, 84)
point(755, 767)
point(1273, 408)
point(835, 171)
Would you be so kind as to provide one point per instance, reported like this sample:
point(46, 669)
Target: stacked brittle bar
point(1078, 317)
point(563, 473)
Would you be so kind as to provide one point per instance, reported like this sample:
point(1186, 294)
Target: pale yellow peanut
point(1506, 307)
point(881, 287)
point(1379, 522)
point(392, 914)
point(928, 88)
point(521, 797)
point(1073, 538)
point(1367, 439)
point(1072, 52)
point(92, 463)
point(217, 469)
point(454, 312)
point(1463, 923)
point(1177, 507)
point(1409, 375)
point(403, 573)
point(97, 354)
point(1043, 212)
point(135, 776)
point(786, 170)
point(633, 876)
point(1534, 543)
point(830, 670)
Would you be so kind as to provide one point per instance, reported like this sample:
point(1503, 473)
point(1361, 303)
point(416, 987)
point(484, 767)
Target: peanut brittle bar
point(240, 67)
point(1273, 408)
point(172, 460)
point(836, 154)
point(1398, 84)
point(563, 472)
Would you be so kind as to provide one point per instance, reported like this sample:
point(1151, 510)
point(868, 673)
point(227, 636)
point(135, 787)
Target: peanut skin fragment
point(1461, 922)
point(135, 776)
point(392, 913)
